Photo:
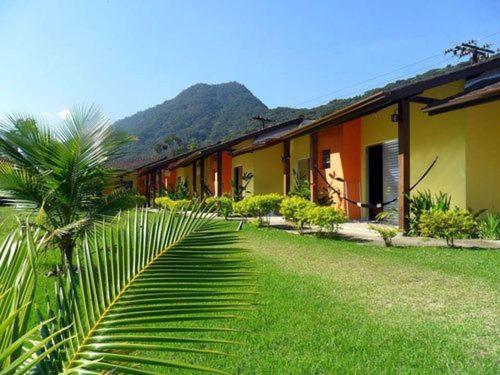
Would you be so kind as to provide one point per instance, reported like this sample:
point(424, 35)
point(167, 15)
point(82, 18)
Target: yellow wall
point(442, 136)
point(265, 165)
point(430, 136)
point(483, 156)
point(268, 170)
point(299, 149)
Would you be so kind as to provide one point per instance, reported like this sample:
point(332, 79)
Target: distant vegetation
point(204, 114)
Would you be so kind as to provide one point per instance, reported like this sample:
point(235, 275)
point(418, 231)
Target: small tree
point(61, 172)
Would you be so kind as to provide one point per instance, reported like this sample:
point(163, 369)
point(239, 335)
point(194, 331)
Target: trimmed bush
point(223, 206)
point(296, 210)
point(259, 206)
point(326, 217)
point(449, 225)
point(170, 204)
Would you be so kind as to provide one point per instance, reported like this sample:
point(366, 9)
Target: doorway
point(383, 177)
point(375, 178)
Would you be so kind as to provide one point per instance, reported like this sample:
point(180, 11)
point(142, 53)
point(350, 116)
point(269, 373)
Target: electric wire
point(481, 38)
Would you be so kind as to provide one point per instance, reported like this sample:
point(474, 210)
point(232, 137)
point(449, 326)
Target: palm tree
point(61, 172)
point(149, 283)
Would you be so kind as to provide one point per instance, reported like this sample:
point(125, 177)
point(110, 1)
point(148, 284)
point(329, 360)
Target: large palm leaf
point(19, 349)
point(141, 277)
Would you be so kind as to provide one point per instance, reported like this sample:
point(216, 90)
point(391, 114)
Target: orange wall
point(170, 178)
point(226, 172)
point(210, 179)
point(344, 143)
point(351, 149)
point(141, 185)
point(227, 166)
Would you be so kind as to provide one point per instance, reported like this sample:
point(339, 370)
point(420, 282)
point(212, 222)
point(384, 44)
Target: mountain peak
point(205, 112)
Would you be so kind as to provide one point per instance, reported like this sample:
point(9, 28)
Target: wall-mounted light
point(395, 117)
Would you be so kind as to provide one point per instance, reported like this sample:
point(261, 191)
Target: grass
point(338, 307)
point(327, 306)
point(330, 306)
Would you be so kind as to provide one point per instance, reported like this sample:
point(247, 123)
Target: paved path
point(359, 232)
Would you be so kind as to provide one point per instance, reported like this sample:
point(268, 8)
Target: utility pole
point(262, 120)
point(471, 48)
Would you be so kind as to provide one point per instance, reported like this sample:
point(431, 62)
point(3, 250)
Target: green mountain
point(204, 114)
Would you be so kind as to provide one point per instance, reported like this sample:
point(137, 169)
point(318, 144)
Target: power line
point(368, 80)
point(387, 74)
point(422, 69)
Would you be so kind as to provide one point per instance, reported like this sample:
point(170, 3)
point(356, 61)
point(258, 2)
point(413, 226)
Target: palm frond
point(147, 274)
point(19, 349)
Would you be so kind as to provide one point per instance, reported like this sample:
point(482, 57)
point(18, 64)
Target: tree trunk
point(66, 245)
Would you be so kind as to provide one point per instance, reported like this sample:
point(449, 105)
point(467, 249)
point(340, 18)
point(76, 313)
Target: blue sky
point(130, 55)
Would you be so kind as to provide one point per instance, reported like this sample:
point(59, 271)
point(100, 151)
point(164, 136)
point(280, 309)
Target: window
point(325, 158)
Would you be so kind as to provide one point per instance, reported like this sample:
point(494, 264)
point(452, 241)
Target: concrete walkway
point(359, 232)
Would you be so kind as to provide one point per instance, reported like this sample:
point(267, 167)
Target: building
point(372, 151)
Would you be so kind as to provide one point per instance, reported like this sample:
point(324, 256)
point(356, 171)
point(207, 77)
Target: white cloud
point(64, 114)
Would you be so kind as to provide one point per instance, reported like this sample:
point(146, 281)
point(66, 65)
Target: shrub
point(170, 204)
point(120, 199)
point(180, 191)
point(386, 232)
point(300, 187)
point(326, 217)
point(296, 210)
point(451, 224)
point(489, 227)
point(222, 205)
point(424, 201)
point(258, 206)
point(139, 200)
point(239, 191)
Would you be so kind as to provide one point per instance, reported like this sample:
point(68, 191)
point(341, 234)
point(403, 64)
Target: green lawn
point(337, 307)
point(328, 306)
